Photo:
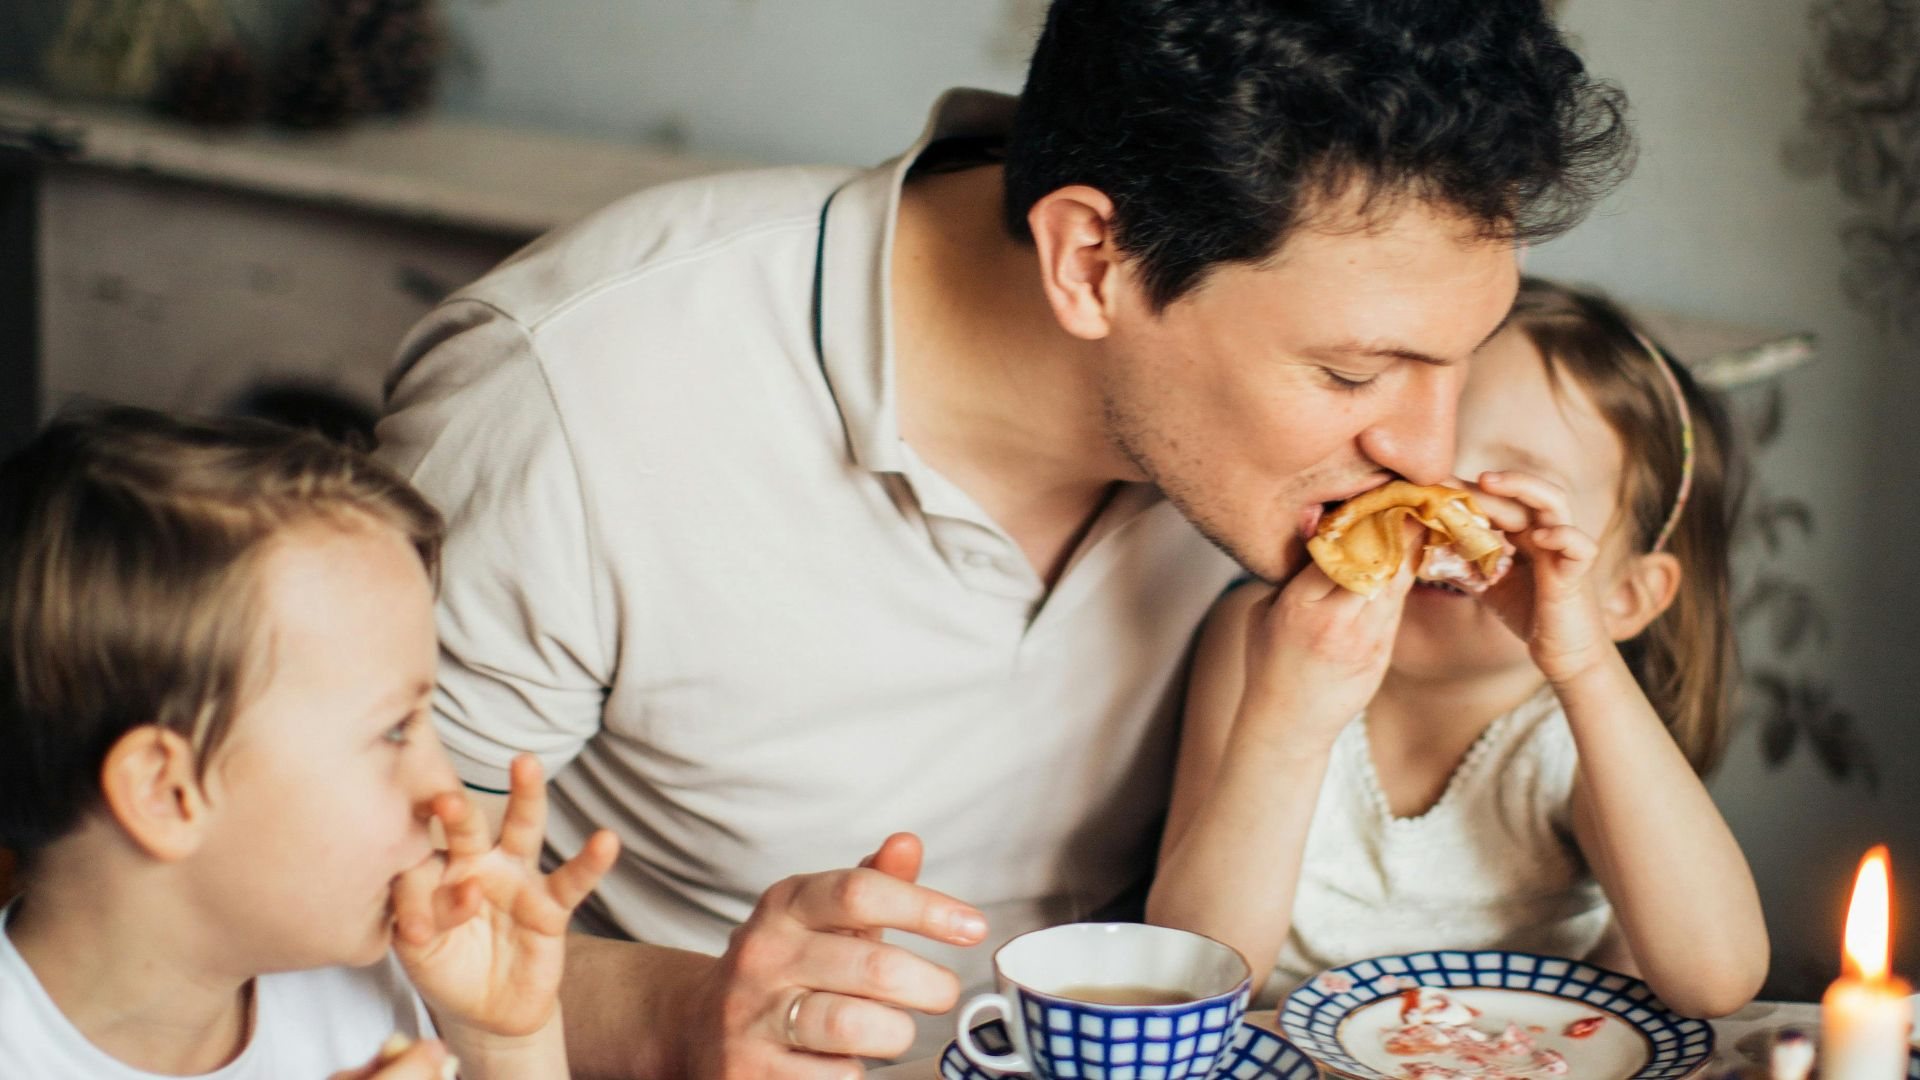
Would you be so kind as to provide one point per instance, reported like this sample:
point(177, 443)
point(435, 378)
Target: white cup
point(1060, 1036)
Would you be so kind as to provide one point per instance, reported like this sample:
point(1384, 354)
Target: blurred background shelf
point(152, 262)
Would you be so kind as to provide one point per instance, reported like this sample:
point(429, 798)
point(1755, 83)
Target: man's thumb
point(898, 856)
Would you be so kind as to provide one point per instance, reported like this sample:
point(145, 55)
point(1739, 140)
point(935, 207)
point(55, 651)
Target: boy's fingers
point(524, 827)
point(466, 831)
point(402, 1059)
point(413, 916)
point(455, 904)
point(575, 878)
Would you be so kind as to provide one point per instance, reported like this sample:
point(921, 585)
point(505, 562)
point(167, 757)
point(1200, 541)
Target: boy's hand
point(1316, 652)
point(481, 931)
point(1552, 597)
point(400, 1060)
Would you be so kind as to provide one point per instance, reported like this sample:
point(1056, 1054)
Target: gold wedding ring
point(793, 1017)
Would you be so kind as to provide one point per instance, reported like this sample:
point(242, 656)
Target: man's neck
point(993, 393)
point(117, 964)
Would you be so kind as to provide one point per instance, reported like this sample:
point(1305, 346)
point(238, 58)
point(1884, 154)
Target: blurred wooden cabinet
point(145, 262)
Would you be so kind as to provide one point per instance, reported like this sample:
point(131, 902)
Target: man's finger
point(899, 855)
point(827, 1023)
point(866, 899)
point(884, 973)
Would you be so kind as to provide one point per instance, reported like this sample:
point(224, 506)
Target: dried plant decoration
point(126, 49)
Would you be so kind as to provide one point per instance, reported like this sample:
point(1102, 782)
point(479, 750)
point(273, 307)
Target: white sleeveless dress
point(1493, 863)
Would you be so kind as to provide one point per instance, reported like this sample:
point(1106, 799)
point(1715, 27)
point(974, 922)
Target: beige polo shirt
point(695, 569)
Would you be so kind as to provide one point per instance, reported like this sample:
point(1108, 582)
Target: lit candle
point(1865, 1017)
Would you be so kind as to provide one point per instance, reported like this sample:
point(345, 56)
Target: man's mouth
point(1310, 519)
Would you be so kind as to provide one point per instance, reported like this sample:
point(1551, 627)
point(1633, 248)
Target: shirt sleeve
point(472, 421)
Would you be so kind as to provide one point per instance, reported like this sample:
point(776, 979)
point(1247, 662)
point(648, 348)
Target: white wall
point(775, 80)
point(1711, 225)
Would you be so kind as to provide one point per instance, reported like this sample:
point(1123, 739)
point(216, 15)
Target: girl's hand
point(1551, 599)
point(480, 930)
point(1316, 652)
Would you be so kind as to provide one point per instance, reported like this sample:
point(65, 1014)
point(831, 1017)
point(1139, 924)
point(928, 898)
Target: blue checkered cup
point(1112, 1001)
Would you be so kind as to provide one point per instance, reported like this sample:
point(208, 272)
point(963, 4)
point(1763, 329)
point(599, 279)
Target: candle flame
point(1868, 918)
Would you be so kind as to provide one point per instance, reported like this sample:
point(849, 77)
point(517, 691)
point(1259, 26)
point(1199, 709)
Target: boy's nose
point(434, 772)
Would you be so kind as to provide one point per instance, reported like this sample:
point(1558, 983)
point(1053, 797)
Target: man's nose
point(1415, 437)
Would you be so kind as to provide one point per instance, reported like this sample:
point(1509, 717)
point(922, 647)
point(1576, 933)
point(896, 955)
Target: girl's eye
point(1342, 382)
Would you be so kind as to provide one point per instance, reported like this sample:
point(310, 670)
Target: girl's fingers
point(1567, 542)
point(1548, 501)
point(523, 829)
point(575, 878)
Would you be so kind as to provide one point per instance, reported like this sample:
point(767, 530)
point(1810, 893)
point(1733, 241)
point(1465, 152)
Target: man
point(792, 507)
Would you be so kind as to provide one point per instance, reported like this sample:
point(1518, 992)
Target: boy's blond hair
point(129, 546)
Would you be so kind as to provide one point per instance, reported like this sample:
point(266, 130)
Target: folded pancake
point(1364, 540)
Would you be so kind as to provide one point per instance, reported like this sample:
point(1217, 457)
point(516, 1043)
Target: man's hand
point(480, 930)
point(807, 987)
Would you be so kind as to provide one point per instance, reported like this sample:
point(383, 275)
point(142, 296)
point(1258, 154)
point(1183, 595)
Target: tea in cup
point(1117, 1001)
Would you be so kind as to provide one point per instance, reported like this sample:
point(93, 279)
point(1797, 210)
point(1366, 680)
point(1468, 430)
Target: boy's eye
point(400, 733)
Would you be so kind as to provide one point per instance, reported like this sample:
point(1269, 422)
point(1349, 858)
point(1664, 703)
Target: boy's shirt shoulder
point(306, 1023)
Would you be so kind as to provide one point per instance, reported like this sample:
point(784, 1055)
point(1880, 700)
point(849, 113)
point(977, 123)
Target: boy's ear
point(152, 790)
point(1080, 261)
point(1644, 590)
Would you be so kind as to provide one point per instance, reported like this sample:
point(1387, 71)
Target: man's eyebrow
point(1397, 352)
point(1401, 352)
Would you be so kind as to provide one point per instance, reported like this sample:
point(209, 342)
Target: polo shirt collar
point(853, 291)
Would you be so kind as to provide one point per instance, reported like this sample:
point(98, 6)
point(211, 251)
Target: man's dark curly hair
point(1215, 126)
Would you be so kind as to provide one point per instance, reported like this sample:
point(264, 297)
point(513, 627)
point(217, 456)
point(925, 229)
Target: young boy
point(217, 650)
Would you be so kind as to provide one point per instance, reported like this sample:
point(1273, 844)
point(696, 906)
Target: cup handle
point(1014, 1062)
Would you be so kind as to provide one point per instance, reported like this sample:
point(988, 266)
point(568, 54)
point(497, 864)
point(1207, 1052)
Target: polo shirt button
point(979, 559)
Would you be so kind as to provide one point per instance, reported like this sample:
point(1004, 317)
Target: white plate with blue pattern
point(1344, 1017)
point(1255, 1055)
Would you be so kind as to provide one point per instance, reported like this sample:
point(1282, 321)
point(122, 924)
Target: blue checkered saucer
point(1314, 1014)
point(1254, 1055)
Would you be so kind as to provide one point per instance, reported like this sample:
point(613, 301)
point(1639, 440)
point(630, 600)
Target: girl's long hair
point(1685, 659)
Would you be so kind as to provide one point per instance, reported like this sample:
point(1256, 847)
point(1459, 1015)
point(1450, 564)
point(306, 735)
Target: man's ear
point(1645, 589)
point(153, 792)
point(1080, 263)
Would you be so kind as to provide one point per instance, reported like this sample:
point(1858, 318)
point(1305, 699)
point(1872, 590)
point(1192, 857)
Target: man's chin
point(1275, 564)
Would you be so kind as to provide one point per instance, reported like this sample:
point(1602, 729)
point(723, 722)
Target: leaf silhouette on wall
point(1790, 608)
point(1790, 708)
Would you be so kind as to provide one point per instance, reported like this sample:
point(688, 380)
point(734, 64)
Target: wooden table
point(1738, 1039)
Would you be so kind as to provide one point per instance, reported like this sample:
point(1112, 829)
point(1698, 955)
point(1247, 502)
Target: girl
point(1518, 770)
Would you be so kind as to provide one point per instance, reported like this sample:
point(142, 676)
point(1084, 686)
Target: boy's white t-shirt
point(307, 1024)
